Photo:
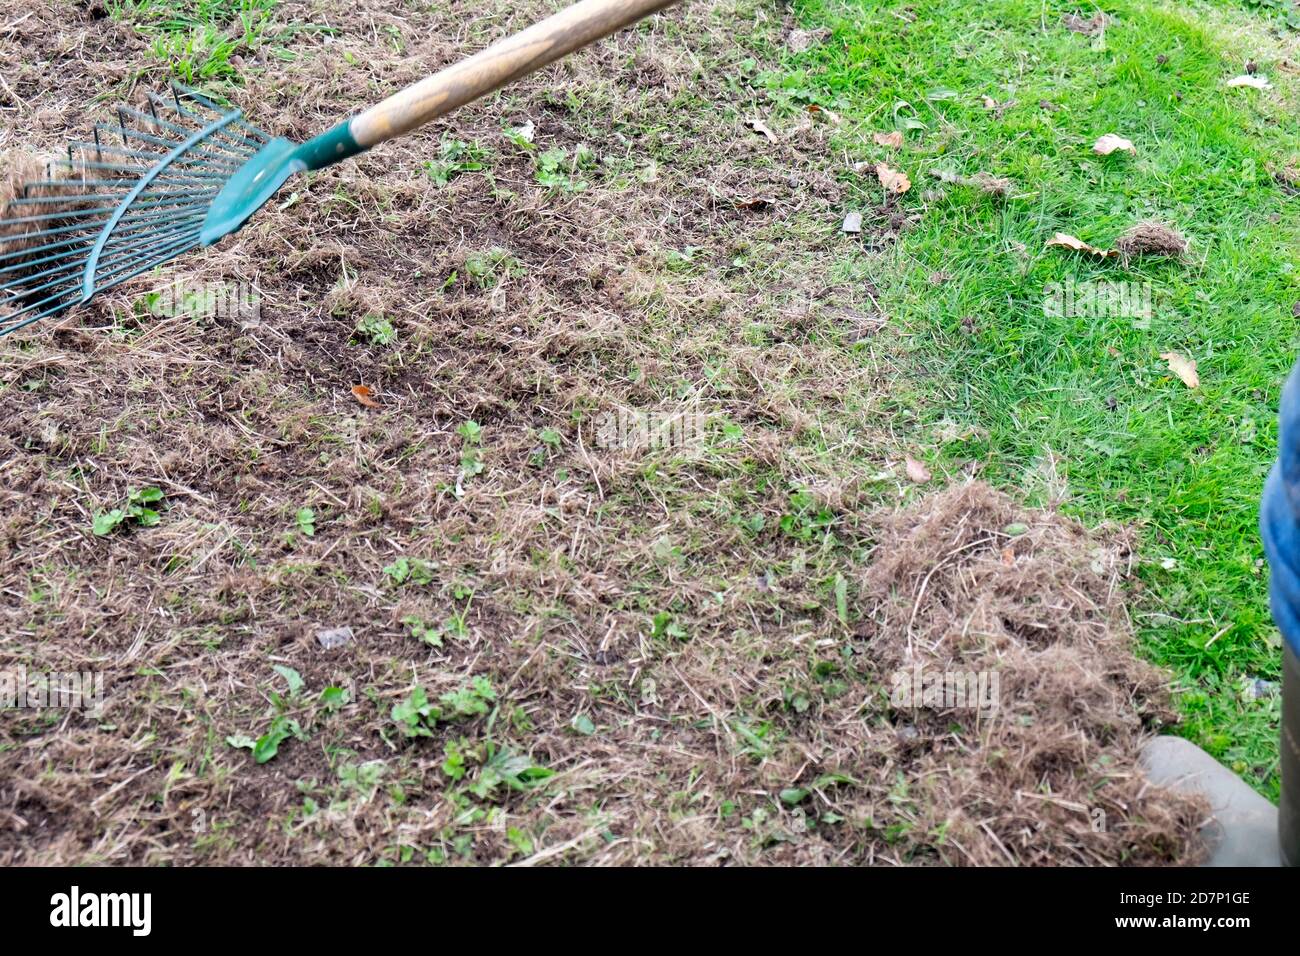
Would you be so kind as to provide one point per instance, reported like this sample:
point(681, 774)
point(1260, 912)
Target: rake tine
point(150, 158)
point(49, 217)
point(36, 305)
point(41, 288)
point(132, 224)
point(185, 228)
point(159, 256)
point(256, 134)
point(27, 262)
point(161, 122)
point(223, 161)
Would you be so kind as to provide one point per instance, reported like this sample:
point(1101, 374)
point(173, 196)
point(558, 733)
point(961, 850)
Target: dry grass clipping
point(1088, 26)
point(25, 176)
point(1151, 238)
point(1053, 777)
point(18, 168)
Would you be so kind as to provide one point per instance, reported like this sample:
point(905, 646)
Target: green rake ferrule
point(262, 176)
point(330, 147)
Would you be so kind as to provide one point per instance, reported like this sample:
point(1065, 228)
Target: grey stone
point(335, 637)
point(1242, 830)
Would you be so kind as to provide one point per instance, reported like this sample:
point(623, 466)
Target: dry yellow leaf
point(821, 112)
point(892, 140)
point(916, 471)
point(1111, 143)
point(362, 394)
point(893, 181)
point(1183, 367)
point(1065, 241)
point(993, 105)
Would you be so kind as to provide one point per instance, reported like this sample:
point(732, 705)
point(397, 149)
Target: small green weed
point(375, 329)
point(663, 625)
point(136, 511)
point(471, 453)
point(487, 268)
point(805, 518)
point(1284, 13)
point(288, 708)
point(558, 173)
point(453, 626)
point(417, 715)
point(456, 157)
point(411, 571)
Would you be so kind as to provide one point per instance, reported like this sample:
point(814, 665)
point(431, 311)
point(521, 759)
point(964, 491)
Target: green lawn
point(1084, 404)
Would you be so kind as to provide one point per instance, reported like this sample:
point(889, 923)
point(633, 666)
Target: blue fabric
point(1279, 517)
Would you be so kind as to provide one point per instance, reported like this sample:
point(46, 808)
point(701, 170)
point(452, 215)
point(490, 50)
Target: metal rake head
point(189, 172)
point(132, 198)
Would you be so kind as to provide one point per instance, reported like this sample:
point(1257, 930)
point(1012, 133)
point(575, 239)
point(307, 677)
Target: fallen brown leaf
point(917, 472)
point(759, 127)
point(800, 40)
point(892, 140)
point(985, 182)
point(893, 181)
point(1110, 143)
point(993, 185)
point(1288, 178)
point(1183, 367)
point(1065, 241)
point(993, 105)
point(821, 112)
point(362, 394)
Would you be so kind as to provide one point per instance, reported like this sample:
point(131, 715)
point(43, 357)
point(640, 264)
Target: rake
point(183, 171)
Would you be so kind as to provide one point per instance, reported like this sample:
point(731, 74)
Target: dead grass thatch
point(968, 583)
point(688, 638)
point(1151, 238)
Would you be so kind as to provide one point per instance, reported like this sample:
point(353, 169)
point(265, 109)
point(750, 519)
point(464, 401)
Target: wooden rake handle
point(502, 62)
